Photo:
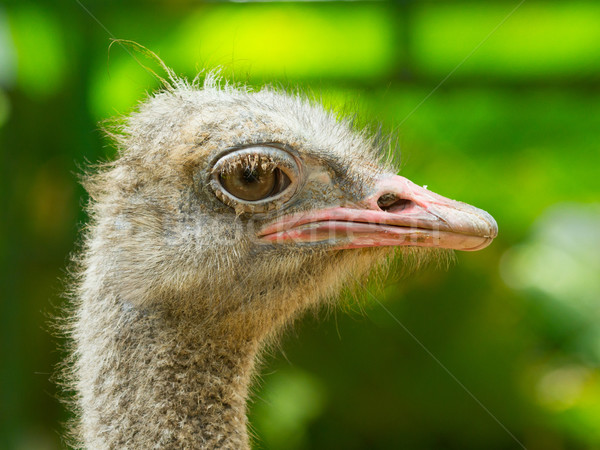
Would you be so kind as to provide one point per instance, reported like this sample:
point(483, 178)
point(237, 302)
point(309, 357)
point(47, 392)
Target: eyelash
point(250, 162)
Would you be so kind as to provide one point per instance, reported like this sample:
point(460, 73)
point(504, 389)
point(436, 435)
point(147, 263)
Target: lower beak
point(400, 213)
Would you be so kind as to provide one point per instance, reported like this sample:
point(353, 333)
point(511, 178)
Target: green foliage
point(40, 48)
point(541, 40)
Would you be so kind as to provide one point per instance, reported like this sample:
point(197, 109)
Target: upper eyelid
point(275, 156)
point(245, 160)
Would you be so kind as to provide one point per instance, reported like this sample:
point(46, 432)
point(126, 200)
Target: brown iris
point(253, 184)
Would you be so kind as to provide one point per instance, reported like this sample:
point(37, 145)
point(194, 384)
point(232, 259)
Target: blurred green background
point(514, 129)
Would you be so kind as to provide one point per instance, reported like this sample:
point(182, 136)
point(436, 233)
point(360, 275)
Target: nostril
point(392, 203)
point(386, 200)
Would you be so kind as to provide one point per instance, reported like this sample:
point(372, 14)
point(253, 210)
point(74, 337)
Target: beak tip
point(492, 225)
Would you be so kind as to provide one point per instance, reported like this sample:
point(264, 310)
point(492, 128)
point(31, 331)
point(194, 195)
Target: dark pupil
point(250, 176)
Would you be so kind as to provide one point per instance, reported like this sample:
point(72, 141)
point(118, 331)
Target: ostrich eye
point(254, 183)
point(255, 179)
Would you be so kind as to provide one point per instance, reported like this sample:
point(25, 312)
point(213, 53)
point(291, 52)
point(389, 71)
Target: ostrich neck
point(153, 380)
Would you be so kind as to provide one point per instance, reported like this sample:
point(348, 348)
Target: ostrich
point(226, 214)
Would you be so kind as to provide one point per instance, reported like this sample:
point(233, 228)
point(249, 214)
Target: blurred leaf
point(541, 39)
point(38, 40)
point(288, 40)
point(7, 53)
point(292, 399)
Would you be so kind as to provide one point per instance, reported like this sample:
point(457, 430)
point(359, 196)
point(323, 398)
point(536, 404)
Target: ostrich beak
point(400, 213)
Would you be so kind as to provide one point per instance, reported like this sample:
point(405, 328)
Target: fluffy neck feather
point(156, 380)
point(164, 374)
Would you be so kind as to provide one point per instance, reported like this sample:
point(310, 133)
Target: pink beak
point(400, 213)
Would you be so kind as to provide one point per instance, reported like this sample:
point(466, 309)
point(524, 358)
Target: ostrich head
point(226, 213)
point(241, 208)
